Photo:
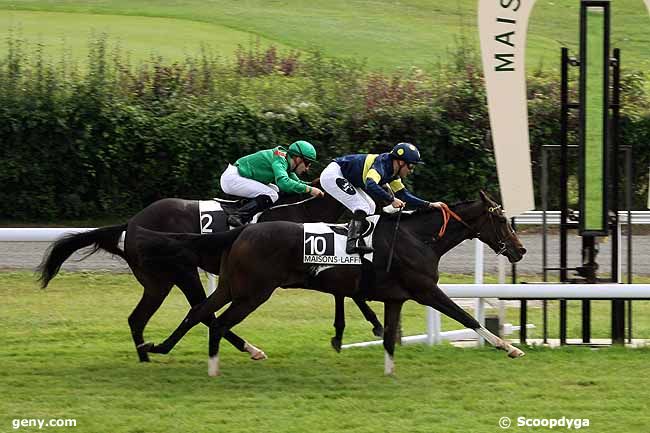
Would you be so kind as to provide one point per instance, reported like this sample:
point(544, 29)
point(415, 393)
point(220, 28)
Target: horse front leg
point(339, 322)
point(448, 307)
point(392, 312)
point(499, 343)
point(370, 316)
point(436, 298)
point(237, 311)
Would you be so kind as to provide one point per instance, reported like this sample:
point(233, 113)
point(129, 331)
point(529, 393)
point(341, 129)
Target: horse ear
point(487, 199)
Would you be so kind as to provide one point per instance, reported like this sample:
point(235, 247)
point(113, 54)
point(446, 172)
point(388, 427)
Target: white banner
point(502, 27)
point(647, 3)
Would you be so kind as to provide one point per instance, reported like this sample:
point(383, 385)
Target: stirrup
point(234, 221)
point(353, 246)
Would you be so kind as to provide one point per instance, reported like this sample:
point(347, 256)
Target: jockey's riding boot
point(355, 243)
point(248, 210)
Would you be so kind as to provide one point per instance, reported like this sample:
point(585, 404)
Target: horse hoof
point(336, 344)
point(143, 349)
point(258, 356)
point(213, 366)
point(255, 353)
point(143, 355)
point(515, 352)
point(378, 331)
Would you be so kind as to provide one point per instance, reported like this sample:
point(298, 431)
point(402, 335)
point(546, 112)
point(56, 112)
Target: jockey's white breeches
point(333, 182)
point(234, 184)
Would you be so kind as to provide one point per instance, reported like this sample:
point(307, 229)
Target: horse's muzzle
point(516, 254)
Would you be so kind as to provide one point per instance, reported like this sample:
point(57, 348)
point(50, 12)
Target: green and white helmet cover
point(303, 149)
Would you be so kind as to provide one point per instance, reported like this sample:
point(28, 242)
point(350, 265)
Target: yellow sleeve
point(374, 175)
point(396, 185)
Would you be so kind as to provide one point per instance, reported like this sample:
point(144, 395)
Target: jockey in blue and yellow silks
point(357, 180)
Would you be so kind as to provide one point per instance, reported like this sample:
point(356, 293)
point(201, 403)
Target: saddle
point(343, 229)
point(215, 215)
point(230, 205)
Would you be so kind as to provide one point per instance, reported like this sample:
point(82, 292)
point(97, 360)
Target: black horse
point(264, 256)
point(182, 216)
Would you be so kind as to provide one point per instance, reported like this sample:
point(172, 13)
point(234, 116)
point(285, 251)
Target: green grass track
point(66, 353)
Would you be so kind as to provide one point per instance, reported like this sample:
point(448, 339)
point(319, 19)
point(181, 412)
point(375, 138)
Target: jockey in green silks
point(263, 174)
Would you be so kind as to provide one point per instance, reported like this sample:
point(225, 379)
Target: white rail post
point(502, 304)
point(619, 259)
point(478, 279)
point(433, 326)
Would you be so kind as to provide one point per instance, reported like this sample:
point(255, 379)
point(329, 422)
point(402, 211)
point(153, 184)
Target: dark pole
point(514, 265)
point(618, 305)
point(544, 208)
point(564, 162)
point(628, 199)
point(544, 239)
point(564, 103)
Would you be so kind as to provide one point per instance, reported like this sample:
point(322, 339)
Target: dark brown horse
point(182, 216)
point(265, 256)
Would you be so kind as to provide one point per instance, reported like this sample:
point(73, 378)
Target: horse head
point(494, 229)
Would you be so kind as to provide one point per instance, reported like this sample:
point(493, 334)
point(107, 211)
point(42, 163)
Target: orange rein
point(446, 214)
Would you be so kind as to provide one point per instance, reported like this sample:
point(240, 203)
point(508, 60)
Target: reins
point(392, 244)
point(446, 215)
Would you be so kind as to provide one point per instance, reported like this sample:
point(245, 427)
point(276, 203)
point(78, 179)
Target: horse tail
point(105, 238)
point(180, 250)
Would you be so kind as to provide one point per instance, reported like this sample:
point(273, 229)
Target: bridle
point(493, 211)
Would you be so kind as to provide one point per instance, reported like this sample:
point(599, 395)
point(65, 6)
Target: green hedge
point(110, 139)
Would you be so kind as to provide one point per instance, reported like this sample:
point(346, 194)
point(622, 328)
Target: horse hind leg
point(191, 286)
point(370, 316)
point(339, 322)
point(196, 314)
point(138, 319)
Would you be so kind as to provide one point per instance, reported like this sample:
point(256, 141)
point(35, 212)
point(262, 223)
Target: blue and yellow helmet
point(406, 152)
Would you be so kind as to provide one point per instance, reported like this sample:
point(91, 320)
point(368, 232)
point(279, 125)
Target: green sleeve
point(282, 179)
point(295, 177)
